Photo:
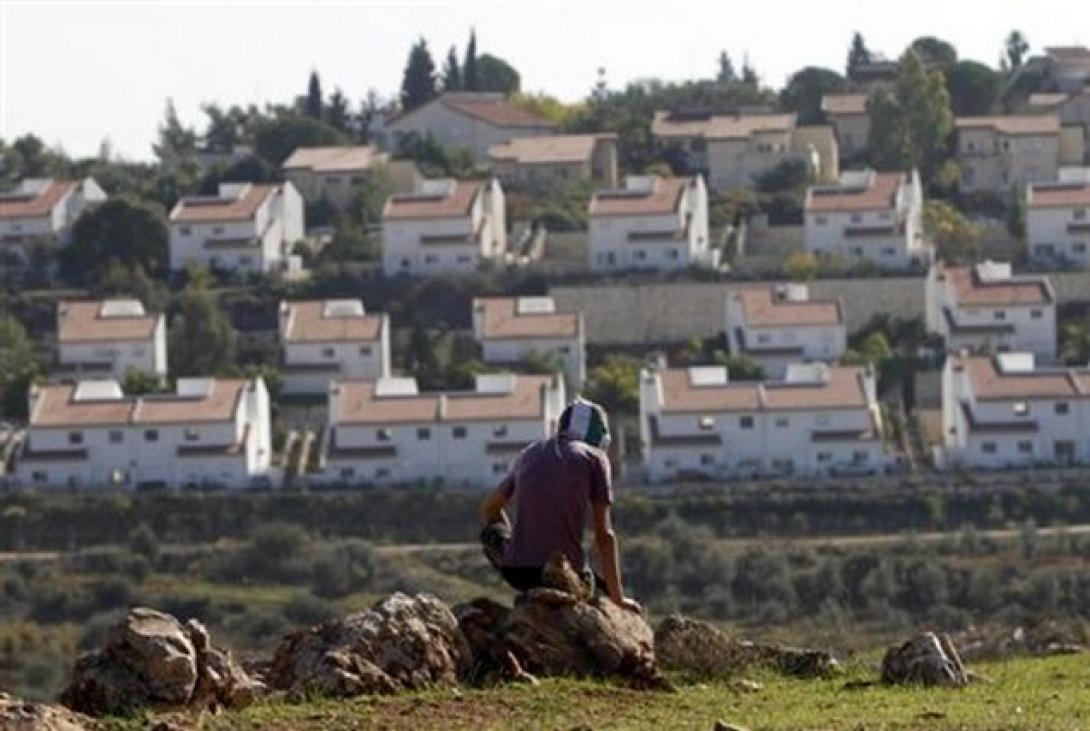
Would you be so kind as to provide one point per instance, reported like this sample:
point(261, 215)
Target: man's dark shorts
point(494, 538)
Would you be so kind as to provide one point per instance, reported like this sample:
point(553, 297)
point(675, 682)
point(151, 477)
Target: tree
point(123, 229)
point(18, 367)
point(176, 142)
point(858, 54)
point(223, 132)
point(955, 237)
point(800, 266)
point(934, 51)
point(277, 137)
point(418, 83)
point(313, 105)
point(471, 72)
point(974, 88)
point(202, 341)
point(749, 74)
point(805, 89)
point(337, 113)
point(885, 145)
point(726, 74)
point(615, 384)
point(498, 75)
point(452, 72)
point(1015, 48)
point(790, 175)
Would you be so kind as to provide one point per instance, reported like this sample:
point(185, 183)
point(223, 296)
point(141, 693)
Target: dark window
point(1061, 407)
point(116, 436)
point(459, 432)
point(151, 435)
point(746, 422)
point(423, 433)
point(383, 435)
point(75, 437)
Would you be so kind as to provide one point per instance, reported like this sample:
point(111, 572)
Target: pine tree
point(1016, 47)
point(726, 73)
point(452, 72)
point(313, 106)
point(749, 75)
point(176, 142)
point(338, 111)
point(418, 83)
point(471, 74)
point(858, 54)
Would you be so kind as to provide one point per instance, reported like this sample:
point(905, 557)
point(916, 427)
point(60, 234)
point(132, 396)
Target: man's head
point(586, 421)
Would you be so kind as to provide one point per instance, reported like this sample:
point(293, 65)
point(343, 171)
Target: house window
point(423, 434)
point(1036, 314)
point(117, 436)
point(192, 435)
point(381, 472)
point(39, 476)
point(459, 432)
point(75, 437)
point(383, 435)
point(347, 473)
point(498, 468)
point(563, 350)
point(463, 259)
point(782, 422)
point(1060, 408)
point(988, 447)
point(1000, 315)
point(328, 352)
point(824, 456)
point(1079, 248)
point(860, 455)
point(151, 435)
point(430, 259)
point(365, 352)
point(1025, 447)
point(707, 459)
point(671, 254)
point(706, 422)
point(499, 431)
point(184, 230)
point(746, 422)
point(1021, 408)
point(856, 218)
point(217, 229)
point(1079, 214)
point(641, 255)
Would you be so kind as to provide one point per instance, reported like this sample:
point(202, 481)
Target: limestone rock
point(404, 642)
point(150, 658)
point(1044, 638)
point(926, 659)
point(17, 715)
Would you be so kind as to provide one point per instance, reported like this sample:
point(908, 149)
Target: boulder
point(697, 647)
point(560, 630)
point(17, 715)
point(404, 642)
point(150, 658)
point(926, 659)
point(1041, 638)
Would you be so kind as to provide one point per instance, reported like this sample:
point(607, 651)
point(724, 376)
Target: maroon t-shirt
point(551, 487)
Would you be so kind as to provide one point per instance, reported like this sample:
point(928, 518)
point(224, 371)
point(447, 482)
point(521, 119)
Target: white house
point(108, 338)
point(697, 424)
point(555, 159)
point(210, 432)
point(651, 223)
point(41, 212)
point(780, 324)
point(447, 226)
point(387, 432)
point(998, 154)
point(474, 121)
point(986, 308)
point(1005, 411)
point(246, 227)
point(511, 328)
point(734, 150)
point(1058, 221)
point(334, 173)
point(847, 113)
point(322, 340)
point(868, 216)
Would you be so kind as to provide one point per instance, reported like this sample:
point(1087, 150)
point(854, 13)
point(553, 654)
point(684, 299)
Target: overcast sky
point(75, 72)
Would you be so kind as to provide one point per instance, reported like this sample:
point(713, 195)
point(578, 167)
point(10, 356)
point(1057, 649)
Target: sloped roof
point(761, 308)
point(720, 126)
point(309, 322)
point(881, 194)
point(358, 403)
point(546, 149)
point(664, 197)
point(344, 158)
point(56, 406)
point(35, 205)
point(500, 319)
point(195, 209)
point(80, 322)
point(419, 205)
point(1013, 124)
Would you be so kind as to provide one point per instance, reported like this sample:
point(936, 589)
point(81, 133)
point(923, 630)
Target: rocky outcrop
point(404, 642)
point(560, 630)
point(17, 715)
point(699, 648)
point(926, 659)
point(1043, 638)
point(150, 658)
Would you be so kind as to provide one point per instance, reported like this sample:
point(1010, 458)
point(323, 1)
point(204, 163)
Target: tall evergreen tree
point(337, 112)
point(452, 72)
point(418, 83)
point(749, 74)
point(313, 106)
point(1016, 47)
point(175, 141)
point(858, 54)
point(726, 73)
point(471, 73)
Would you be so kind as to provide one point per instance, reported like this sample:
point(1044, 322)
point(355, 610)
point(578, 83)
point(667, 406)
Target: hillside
point(1051, 693)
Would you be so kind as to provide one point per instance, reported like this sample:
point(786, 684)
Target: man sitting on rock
point(551, 485)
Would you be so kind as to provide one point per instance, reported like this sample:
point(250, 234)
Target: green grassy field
point(1024, 693)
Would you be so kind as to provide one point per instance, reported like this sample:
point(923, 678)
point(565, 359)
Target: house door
point(1064, 451)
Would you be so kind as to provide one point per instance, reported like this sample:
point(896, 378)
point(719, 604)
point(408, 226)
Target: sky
point(78, 72)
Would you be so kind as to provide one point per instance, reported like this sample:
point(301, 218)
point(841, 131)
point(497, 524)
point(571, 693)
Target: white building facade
point(323, 340)
point(652, 223)
point(42, 211)
point(108, 339)
point(1000, 154)
point(1006, 411)
point(781, 324)
point(246, 227)
point(386, 432)
point(985, 308)
point(868, 216)
point(211, 432)
point(447, 226)
point(1058, 222)
point(510, 329)
point(695, 424)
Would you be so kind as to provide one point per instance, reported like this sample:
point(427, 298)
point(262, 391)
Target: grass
point(1023, 693)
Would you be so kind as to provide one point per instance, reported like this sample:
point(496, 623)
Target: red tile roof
point(844, 103)
point(991, 384)
point(844, 389)
point(343, 158)
point(358, 403)
point(762, 308)
point(200, 209)
point(501, 319)
point(1058, 195)
point(880, 195)
point(55, 407)
point(219, 404)
point(664, 197)
point(970, 290)
point(306, 322)
point(83, 322)
point(1013, 124)
point(549, 149)
point(719, 126)
point(420, 205)
point(495, 111)
point(36, 205)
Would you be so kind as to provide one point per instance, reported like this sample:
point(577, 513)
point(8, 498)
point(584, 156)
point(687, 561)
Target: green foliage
point(801, 266)
point(117, 280)
point(497, 75)
point(202, 341)
point(804, 91)
point(1016, 46)
point(137, 382)
point(351, 243)
point(123, 229)
point(28, 157)
point(337, 113)
point(434, 159)
point(176, 142)
point(788, 176)
point(934, 52)
point(313, 104)
point(19, 367)
point(858, 53)
point(615, 384)
point(418, 83)
point(731, 206)
point(974, 88)
point(452, 72)
point(956, 238)
point(471, 70)
point(278, 136)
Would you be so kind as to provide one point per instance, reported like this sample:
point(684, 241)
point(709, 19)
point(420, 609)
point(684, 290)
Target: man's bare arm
point(605, 542)
point(491, 510)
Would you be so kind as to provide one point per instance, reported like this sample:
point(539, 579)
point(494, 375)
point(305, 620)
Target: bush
point(305, 608)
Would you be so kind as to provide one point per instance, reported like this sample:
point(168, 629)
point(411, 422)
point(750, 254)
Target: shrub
point(305, 608)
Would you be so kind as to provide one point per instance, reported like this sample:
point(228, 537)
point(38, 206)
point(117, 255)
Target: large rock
point(404, 642)
point(560, 630)
point(150, 658)
point(1041, 638)
point(926, 659)
point(696, 647)
point(17, 715)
